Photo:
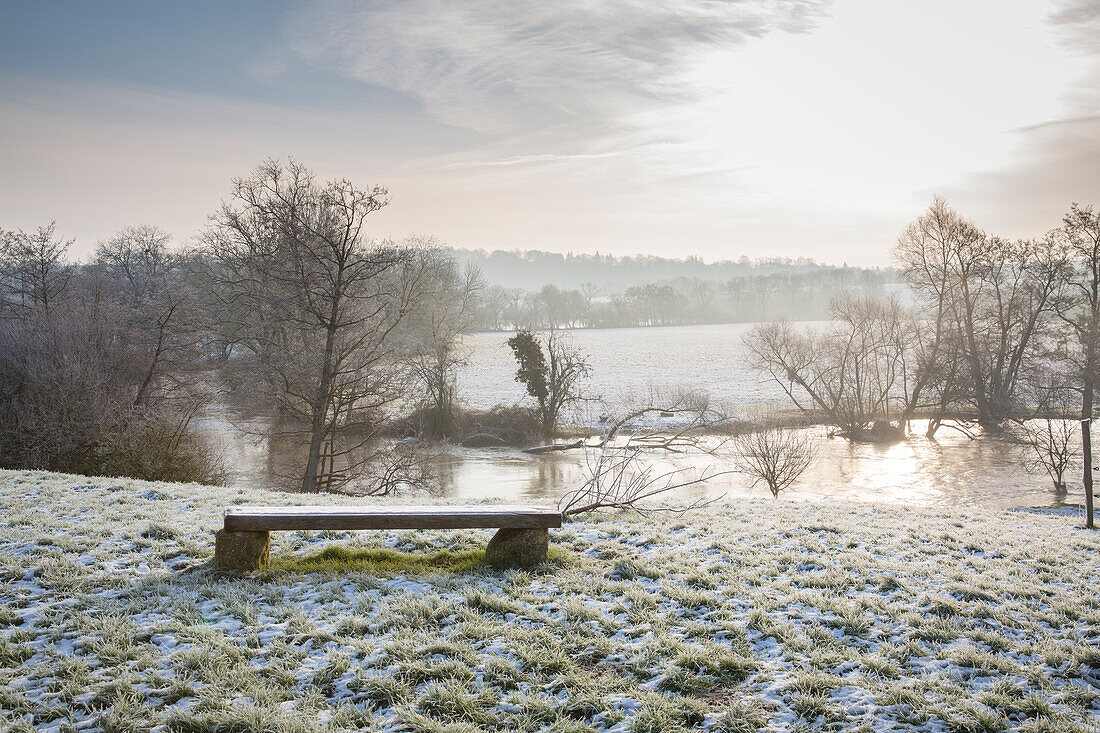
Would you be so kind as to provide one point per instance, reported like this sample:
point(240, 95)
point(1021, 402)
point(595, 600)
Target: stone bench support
point(241, 550)
point(518, 548)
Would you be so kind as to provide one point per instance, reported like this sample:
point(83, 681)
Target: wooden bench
point(522, 538)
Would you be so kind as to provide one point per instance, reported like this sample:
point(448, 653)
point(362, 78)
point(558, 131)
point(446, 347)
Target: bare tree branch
point(617, 479)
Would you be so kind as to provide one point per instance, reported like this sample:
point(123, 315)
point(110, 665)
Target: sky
point(790, 128)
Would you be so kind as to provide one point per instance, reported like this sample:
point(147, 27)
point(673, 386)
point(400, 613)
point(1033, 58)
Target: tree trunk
point(317, 423)
point(313, 459)
point(145, 384)
point(985, 416)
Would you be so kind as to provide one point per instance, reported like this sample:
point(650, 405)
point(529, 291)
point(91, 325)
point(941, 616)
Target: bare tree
point(70, 367)
point(773, 456)
point(1046, 438)
point(60, 367)
point(860, 374)
point(448, 310)
point(314, 302)
point(589, 291)
point(926, 251)
point(1050, 444)
point(618, 479)
point(552, 374)
point(1079, 309)
point(515, 308)
point(33, 270)
point(150, 286)
point(704, 294)
point(398, 467)
point(1022, 280)
point(997, 294)
point(63, 378)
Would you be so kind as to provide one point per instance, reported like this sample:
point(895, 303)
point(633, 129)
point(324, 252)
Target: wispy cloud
point(1055, 123)
point(1080, 21)
point(519, 160)
point(1057, 159)
point(1057, 165)
point(498, 66)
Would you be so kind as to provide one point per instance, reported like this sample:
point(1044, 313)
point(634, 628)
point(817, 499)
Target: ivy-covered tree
point(552, 374)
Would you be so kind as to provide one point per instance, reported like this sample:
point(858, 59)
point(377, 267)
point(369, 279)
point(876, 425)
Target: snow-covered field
point(772, 615)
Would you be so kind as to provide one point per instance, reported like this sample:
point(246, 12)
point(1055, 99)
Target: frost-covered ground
point(759, 614)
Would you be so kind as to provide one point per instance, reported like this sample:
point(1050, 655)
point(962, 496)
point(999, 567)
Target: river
point(953, 469)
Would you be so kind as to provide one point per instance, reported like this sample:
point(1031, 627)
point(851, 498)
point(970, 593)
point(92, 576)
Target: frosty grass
point(749, 615)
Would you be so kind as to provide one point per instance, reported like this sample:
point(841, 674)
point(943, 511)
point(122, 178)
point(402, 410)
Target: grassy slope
point(771, 614)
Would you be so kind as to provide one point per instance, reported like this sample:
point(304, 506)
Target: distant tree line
point(797, 294)
point(532, 269)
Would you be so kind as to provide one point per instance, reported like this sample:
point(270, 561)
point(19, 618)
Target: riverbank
point(746, 615)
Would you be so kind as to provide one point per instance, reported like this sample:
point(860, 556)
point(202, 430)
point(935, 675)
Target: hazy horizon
point(763, 129)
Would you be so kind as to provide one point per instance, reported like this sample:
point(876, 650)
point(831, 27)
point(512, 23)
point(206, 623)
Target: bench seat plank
point(267, 518)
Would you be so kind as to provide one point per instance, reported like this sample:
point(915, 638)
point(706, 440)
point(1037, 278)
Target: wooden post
point(1086, 455)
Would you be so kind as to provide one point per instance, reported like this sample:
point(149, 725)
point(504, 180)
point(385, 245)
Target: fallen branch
point(617, 481)
point(962, 426)
point(540, 449)
point(702, 418)
point(678, 439)
point(483, 440)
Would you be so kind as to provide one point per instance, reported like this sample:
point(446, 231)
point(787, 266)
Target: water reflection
point(951, 470)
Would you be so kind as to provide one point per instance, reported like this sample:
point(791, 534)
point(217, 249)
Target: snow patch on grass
point(744, 616)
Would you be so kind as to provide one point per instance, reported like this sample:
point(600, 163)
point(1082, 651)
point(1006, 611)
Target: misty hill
point(534, 269)
point(542, 289)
